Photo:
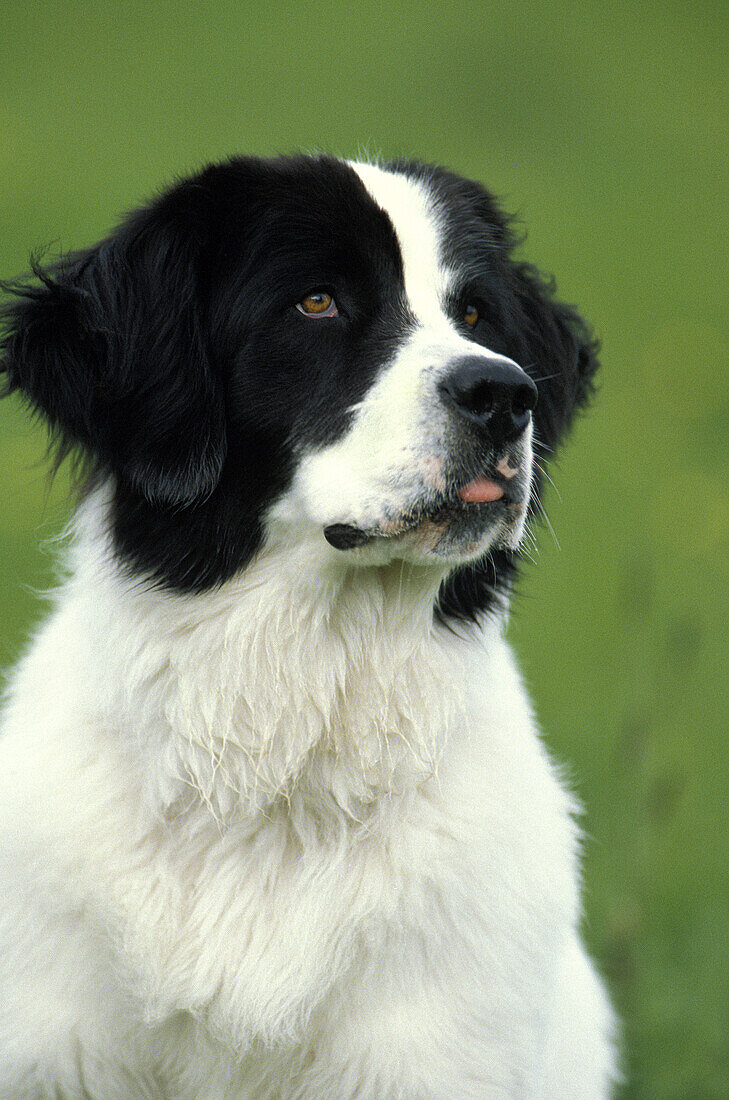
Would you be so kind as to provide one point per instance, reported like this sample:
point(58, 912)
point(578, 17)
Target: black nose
point(492, 393)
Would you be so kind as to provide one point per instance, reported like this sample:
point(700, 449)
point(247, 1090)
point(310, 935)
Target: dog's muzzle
point(488, 401)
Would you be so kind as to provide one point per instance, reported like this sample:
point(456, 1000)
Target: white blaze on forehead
point(415, 220)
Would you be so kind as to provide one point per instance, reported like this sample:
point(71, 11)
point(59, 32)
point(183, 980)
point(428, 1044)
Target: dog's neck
point(302, 682)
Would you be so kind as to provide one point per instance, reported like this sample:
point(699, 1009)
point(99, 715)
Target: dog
point(277, 822)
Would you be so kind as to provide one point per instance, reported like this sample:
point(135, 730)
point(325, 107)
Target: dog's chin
point(463, 534)
point(452, 534)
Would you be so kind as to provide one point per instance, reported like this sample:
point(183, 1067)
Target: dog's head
point(327, 349)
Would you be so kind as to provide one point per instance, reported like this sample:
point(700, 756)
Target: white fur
point(412, 213)
point(289, 840)
point(284, 840)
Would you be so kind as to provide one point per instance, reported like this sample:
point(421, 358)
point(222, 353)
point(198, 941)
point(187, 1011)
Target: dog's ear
point(110, 347)
point(558, 350)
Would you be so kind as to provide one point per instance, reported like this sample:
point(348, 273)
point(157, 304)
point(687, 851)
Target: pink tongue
point(481, 491)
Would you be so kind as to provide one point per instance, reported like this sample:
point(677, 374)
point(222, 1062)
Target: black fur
point(172, 356)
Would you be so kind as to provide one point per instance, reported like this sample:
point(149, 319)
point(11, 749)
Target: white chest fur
point(297, 798)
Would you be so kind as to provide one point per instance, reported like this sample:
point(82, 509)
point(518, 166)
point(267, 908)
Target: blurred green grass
point(605, 127)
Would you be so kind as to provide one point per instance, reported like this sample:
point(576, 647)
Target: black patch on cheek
point(306, 377)
point(339, 376)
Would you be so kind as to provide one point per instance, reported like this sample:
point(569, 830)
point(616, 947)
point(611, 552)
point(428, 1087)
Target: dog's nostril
point(524, 400)
point(480, 400)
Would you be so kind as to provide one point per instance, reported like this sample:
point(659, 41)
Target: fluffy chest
point(294, 790)
point(469, 871)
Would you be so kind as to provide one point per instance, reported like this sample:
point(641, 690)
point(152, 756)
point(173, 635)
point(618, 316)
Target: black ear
point(111, 348)
point(558, 350)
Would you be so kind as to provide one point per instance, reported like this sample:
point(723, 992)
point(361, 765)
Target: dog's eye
point(470, 316)
point(319, 303)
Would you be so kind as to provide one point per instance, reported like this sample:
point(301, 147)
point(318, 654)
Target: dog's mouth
point(478, 505)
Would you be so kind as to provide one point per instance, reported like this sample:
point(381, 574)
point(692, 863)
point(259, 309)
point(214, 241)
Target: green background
point(604, 126)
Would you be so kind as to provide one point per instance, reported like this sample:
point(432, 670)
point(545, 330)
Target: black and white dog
point(276, 819)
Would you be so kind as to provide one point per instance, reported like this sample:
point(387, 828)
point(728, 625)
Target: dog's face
point(340, 350)
point(431, 454)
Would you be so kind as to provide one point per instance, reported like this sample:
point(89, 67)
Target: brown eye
point(470, 316)
point(318, 304)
